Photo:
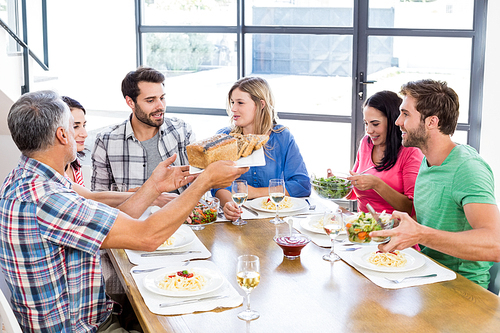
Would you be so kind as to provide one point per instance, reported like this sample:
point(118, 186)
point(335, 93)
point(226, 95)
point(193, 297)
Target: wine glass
point(239, 192)
point(248, 277)
point(277, 194)
point(333, 223)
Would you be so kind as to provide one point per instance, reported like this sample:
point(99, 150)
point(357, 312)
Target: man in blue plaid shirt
point(129, 152)
point(50, 236)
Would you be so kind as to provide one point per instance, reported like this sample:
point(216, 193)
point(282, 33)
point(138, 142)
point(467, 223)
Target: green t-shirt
point(441, 191)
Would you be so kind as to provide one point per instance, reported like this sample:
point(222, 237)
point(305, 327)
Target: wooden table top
point(312, 295)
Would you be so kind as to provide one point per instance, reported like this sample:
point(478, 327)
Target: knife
point(164, 305)
point(164, 253)
point(251, 210)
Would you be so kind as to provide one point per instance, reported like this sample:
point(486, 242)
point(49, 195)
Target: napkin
point(430, 267)
point(135, 256)
point(153, 300)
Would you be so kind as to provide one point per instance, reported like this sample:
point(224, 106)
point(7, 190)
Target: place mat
point(153, 300)
point(430, 267)
point(321, 207)
point(135, 256)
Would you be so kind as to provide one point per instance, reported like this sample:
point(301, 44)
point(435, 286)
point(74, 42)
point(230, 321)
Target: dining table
point(309, 294)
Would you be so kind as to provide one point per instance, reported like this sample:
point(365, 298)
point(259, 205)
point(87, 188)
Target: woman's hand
point(232, 211)
point(364, 182)
point(329, 173)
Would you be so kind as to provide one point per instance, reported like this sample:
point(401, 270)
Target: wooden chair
point(7, 317)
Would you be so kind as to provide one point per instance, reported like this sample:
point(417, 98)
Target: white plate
point(256, 158)
point(309, 225)
point(414, 261)
point(182, 236)
point(214, 281)
point(297, 204)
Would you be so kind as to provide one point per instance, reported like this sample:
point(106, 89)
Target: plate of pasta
point(180, 238)
point(288, 205)
point(183, 282)
point(396, 261)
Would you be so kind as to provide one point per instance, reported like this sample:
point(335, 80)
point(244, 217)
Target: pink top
point(400, 177)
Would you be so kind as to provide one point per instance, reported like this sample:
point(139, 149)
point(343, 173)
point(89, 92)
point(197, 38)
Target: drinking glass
point(248, 277)
point(333, 223)
point(277, 194)
point(239, 193)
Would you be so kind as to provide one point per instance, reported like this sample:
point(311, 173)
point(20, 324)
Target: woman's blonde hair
point(265, 117)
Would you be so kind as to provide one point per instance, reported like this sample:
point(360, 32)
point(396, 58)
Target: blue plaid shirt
point(118, 157)
point(49, 251)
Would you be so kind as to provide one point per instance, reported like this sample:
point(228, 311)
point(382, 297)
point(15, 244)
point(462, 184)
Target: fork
point(311, 207)
point(410, 277)
point(147, 270)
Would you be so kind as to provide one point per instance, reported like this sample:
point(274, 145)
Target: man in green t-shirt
point(457, 220)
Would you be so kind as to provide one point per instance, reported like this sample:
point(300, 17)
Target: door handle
point(362, 82)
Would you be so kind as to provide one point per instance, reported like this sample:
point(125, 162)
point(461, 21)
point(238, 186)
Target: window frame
point(360, 32)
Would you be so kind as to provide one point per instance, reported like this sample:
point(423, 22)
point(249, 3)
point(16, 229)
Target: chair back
point(7, 318)
point(494, 285)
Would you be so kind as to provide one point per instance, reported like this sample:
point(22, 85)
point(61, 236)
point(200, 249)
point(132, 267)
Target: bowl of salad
point(335, 187)
point(361, 224)
point(204, 213)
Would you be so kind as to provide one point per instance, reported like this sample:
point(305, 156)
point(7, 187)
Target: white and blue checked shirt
point(118, 157)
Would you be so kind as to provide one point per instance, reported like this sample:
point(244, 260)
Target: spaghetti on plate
point(387, 259)
point(169, 242)
point(269, 204)
point(186, 282)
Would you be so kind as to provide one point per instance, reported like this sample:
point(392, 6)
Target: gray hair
point(34, 119)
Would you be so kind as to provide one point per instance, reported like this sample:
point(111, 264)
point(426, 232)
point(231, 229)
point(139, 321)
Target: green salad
point(359, 228)
point(332, 187)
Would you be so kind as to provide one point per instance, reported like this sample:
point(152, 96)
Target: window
point(318, 56)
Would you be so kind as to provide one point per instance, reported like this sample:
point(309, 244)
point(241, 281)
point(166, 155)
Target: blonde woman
point(251, 108)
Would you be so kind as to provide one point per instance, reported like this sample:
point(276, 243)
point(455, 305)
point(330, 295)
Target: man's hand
point(221, 174)
point(405, 235)
point(168, 178)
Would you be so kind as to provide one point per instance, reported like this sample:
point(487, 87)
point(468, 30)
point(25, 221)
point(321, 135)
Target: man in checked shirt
point(129, 152)
point(50, 236)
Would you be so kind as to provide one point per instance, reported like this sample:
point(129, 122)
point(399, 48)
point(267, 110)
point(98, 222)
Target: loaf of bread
point(216, 148)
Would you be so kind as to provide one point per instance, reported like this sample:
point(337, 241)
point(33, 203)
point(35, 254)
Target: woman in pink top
point(390, 182)
point(74, 169)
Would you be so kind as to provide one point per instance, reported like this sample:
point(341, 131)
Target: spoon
point(311, 207)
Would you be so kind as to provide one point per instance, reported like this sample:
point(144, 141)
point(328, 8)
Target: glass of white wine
point(333, 223)
point(248, 277)
point(277, 194)
point(239, 192)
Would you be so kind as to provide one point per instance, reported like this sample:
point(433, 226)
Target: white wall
point(491, 115)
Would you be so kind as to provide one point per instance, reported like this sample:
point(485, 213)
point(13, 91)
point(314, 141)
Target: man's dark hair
point(435, 98)
point(130, 84)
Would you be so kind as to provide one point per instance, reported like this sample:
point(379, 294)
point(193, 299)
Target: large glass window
point(323, 13)
point(320, 65)
point(182, 12)
point(200, 68)
point(427, 14)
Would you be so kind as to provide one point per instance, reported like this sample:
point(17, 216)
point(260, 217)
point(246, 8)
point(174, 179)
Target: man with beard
point(129, 152)
point(457, 220)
